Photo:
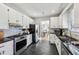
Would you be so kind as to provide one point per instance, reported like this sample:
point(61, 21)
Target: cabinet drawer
point(2, 51)
point(1, 45)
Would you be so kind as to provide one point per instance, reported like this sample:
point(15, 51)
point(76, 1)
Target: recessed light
point(53, 11)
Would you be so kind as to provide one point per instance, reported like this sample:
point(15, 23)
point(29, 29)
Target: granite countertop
point(66, 38)
point(72, 48)
point(6, 39)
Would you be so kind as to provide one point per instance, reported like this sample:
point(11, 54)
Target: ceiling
point(36, 10)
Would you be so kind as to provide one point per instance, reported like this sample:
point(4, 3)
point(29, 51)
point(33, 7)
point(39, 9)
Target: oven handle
point(21, 37)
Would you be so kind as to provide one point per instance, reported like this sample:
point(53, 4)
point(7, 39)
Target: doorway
point(44, 30)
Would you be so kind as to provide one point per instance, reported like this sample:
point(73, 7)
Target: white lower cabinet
point(6, 48)
point(29, 39)
point(58, 44)
point(52, 38)
point(2, 49)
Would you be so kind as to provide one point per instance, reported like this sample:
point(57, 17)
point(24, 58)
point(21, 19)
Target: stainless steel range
point(20, 44)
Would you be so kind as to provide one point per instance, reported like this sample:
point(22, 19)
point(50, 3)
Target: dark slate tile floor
point(41, 48)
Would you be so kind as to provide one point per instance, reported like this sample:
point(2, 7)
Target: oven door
point(20, 45)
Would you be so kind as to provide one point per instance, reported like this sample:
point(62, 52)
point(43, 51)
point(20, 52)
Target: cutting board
point(1, 36)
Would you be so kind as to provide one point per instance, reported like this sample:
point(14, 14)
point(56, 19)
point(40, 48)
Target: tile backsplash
point(11, 31)
point(73, 34)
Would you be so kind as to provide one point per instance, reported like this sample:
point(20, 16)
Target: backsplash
point(11, 31)
point(73, 34)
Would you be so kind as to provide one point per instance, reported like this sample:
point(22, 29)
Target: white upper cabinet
point(31, 21)
point(65, 20)
point(12, 18)
point(76, 15)
point(55, 22)
point(25, 21)
point(3, 17)
point(60, 20)
point(19, 19)
point(66, 17)
point(15, 17)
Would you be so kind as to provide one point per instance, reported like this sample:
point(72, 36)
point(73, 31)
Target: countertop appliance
point(20, 44)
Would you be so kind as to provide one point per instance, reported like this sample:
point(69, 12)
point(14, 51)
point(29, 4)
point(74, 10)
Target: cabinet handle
point(21, 37)
point(3, 52)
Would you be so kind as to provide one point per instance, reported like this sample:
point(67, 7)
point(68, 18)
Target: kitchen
point(22, 26)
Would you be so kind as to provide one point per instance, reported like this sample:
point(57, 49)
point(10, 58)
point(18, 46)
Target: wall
point(73, 34)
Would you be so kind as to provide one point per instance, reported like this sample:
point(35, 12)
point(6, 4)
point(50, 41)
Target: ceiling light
point(53, 11)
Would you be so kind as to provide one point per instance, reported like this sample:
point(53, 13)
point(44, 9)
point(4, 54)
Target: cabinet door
point(52, 38)
point(25, 21)
point(65, 20)
point(31, 21)
point(12, 18)
point(3, 17)
point(54, 22)
point(2, 51)
point(19, 18)
point(8, 48)
point(76, 15)
point(58, 44)
point(15, 17)
point(60, 21)
point(29, 39)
